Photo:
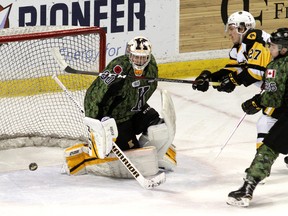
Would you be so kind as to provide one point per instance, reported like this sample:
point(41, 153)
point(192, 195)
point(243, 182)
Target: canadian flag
point(270, 73)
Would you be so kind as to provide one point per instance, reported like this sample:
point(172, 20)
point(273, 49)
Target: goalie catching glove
point(252, 105)
point(103, 134)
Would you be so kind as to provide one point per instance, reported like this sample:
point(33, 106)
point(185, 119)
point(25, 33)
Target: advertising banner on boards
point(122, 20)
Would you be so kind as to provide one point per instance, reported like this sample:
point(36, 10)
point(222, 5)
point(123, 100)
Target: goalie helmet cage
point(34, 110)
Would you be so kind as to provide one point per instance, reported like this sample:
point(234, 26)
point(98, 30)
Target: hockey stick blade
point(65, 67)
point(59, 58)
point(145, 183)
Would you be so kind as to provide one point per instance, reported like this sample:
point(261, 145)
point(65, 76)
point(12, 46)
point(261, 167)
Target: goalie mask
point(139, 52)
point(241, 19)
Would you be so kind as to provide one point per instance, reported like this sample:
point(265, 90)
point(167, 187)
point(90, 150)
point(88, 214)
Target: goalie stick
point(145, 183)
point(65, 67)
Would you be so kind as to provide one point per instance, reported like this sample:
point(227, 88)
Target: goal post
point(34, 110)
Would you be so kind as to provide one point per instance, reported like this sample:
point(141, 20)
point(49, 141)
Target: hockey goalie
point(117, 112)
point(155, 152)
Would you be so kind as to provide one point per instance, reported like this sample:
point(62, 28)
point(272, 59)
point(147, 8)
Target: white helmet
point(241, 18)
point(139, 52)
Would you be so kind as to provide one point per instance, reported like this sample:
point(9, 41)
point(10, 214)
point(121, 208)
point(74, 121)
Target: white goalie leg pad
point(161, 136)
point(144, 159)
point(168, 152)
point(169, 116)
point(102, 135)
point(158, 136)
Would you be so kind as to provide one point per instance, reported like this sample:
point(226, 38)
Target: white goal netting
point(33, 108)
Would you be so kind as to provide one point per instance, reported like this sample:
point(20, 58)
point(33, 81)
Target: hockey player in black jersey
point(273, 99)
point(248, 56)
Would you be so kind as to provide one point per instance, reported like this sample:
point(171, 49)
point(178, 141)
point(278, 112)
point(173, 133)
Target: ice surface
point(198, 186)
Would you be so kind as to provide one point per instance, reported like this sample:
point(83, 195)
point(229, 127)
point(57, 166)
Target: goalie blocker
point(157, 150)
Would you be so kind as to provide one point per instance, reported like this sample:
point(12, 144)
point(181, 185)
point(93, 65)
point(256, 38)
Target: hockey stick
point(65, 67)
point(240, 121)
point(228, 139)
point(145, 183)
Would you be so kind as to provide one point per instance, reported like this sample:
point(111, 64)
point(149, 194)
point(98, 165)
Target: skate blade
point(242, 202)
point(263, 181)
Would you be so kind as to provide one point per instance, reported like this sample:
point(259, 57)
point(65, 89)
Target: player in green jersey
point(274, 103)
point(126, 99)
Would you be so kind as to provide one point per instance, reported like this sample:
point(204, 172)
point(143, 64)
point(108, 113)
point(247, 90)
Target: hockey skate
point(243, 195)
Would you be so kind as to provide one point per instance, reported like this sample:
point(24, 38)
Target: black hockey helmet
point(280, 36)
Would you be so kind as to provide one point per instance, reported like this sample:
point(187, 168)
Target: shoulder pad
point(252, 36)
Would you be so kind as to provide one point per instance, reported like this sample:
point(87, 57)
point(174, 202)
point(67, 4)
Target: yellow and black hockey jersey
point(250, 58)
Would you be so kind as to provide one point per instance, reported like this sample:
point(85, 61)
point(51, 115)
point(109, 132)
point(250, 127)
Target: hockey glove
point(202, 81)
point(252, 105)
point(228, 83)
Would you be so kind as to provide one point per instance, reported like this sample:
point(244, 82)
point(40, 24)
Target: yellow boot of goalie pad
point(169, 161)
point(75, 158)
point(171, 154)
point(78, 158)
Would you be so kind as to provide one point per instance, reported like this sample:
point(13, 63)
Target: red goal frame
point(61, 33)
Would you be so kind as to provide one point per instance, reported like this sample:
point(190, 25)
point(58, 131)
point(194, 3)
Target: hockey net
point(34, 110)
